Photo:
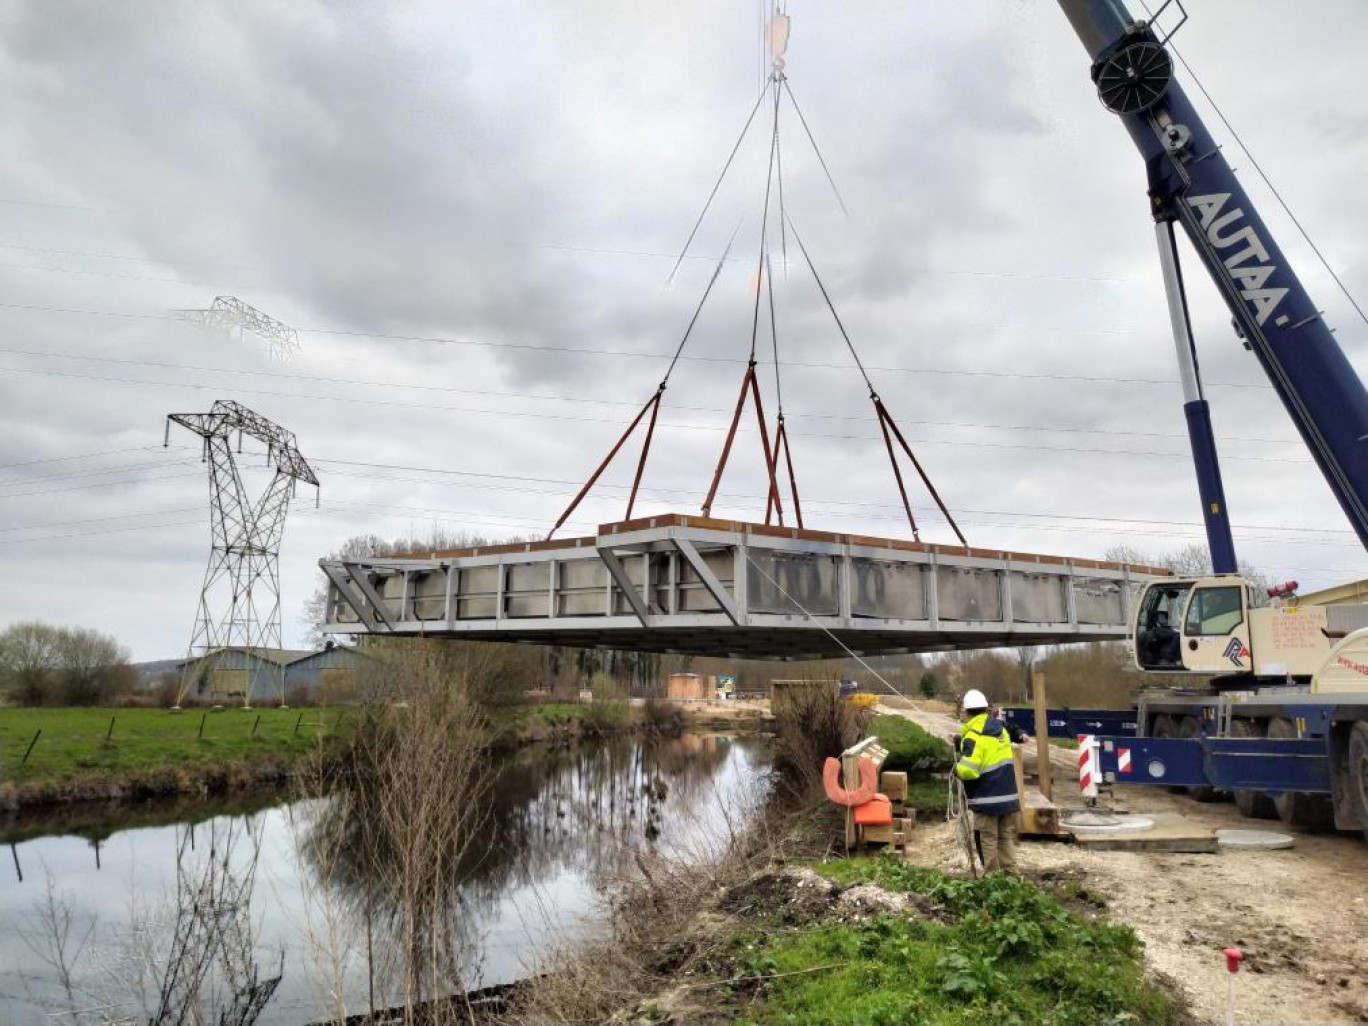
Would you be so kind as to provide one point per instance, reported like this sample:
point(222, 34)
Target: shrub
point(661, 717)
point(910, 748)
point(812, 724)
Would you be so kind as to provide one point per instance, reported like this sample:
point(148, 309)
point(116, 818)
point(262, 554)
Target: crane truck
point(1280, 719)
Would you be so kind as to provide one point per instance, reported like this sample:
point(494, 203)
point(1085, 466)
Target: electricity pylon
point(229, 313)
point(239, 605)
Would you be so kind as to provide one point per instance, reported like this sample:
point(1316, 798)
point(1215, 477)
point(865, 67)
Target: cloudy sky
point(470, 212)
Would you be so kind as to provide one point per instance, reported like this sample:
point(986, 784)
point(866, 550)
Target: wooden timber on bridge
point(717, 587)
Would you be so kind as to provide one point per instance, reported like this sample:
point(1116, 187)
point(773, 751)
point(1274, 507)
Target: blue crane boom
point(1191, 183)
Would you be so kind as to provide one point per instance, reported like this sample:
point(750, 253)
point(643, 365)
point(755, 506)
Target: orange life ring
point(831, 782)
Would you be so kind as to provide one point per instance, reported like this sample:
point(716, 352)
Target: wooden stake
point(1042, 727)
point(37, 734)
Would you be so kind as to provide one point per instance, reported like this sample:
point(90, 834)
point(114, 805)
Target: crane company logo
point(1249, 265)
point(1352, 664)
point(1236, 652)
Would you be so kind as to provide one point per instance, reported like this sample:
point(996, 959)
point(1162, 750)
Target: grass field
point(77, 742)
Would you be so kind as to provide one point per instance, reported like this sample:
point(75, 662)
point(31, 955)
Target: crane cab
point(1194, 625)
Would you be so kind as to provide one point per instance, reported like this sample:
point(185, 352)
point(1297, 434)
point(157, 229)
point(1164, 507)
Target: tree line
point(42, 664)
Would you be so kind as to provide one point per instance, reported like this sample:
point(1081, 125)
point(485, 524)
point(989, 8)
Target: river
point(101, 898)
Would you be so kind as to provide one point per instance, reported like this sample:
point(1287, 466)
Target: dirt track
point(1301, 915)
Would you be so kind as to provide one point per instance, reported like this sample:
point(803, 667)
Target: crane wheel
point(1190, 726)
point(1358, 773)
point(1295, 808)
point(1254, 804)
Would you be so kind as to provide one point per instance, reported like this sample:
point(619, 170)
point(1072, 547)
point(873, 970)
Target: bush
point(910, 748)
point(812, 724)
point(661, 717)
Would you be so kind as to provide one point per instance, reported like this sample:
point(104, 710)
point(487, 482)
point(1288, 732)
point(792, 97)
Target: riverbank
point(783, 927)
point(93, 754)
point(96, 755)
point(865, 939)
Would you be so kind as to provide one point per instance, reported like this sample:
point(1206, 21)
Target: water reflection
point(561, 824)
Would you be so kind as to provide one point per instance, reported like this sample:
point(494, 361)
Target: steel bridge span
point(715, 587)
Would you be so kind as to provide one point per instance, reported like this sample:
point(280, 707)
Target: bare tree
point(29, 660)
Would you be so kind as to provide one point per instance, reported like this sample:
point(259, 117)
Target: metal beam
point(619, 574)
point(709, 579)
point(368, 590)
point(342, 582)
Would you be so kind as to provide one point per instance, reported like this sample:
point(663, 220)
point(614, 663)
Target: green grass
point(910, 748)
point(73, 741)
point(997, 950)
point(926, 794)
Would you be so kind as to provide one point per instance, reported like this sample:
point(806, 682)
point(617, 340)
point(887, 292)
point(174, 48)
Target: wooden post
point(37, 734)
point(203, 717)
point(297, 723)
point(1019, 764)
point(256, 724)
point(1042, 727)
point(109, 736)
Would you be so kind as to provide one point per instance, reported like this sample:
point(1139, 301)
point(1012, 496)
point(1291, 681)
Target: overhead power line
point(597, 400)
point(662, 355)
point(709, 258)
point(526, 415)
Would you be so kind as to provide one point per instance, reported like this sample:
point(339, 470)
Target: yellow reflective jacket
point(985, 764)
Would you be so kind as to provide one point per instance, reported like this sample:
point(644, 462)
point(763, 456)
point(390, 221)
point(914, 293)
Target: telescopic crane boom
point(1191, 184)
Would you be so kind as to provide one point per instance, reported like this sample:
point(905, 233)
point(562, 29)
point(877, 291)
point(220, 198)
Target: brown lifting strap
point(781, 442)
point(751, 385)
point(652, 404)
point(886, 424)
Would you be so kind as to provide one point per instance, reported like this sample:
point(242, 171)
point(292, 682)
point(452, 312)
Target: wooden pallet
point(1174, 835)
point(895, 835)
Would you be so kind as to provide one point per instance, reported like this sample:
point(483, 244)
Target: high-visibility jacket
point(986, 766)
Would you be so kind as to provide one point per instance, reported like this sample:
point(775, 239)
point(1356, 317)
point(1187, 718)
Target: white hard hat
point(974, 699)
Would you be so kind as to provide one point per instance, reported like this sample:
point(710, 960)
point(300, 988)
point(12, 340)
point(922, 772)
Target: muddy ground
point(1300, 915)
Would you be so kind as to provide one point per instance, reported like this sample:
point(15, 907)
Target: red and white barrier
point(1089, 765)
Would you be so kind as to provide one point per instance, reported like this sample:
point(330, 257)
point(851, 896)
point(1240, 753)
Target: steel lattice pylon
point(229, 313)
point(239, 604)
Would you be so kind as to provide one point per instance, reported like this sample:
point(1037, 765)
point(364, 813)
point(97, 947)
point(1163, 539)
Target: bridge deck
point(688, 584)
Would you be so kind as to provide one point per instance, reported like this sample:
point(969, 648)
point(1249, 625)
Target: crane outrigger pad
point(718, 587)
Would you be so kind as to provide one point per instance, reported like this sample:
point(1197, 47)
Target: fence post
point(256, 724)
point(37, 734)
point(109, 735)
point(297, 723)
point(203, 717)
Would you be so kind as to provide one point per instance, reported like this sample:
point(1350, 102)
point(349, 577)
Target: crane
point(1284, 726)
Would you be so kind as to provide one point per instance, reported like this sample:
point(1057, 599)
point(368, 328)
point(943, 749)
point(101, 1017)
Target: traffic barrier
point(1089, 770)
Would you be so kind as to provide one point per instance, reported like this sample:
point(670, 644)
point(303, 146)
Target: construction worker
point(984, 762)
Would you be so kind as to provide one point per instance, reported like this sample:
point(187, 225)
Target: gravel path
point(1301, 915)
